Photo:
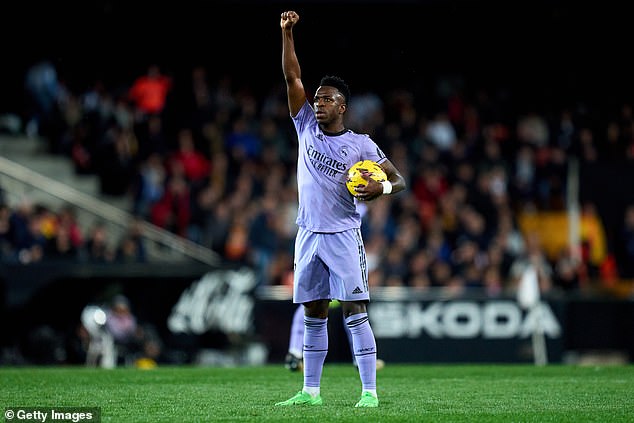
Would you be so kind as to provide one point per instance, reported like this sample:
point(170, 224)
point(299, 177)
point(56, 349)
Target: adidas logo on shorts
point(357, 291)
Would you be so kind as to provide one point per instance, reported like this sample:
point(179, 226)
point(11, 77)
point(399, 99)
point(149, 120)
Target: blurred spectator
point(378, 221)
point(44, 92)
point(263, 239)
point(441, 132)
point(97, 248)
point(26, 233)
point(428, 188)
point(152, 137)
point(533, 129)
point(131, 247)
point(365, 113)
point(195, 165)
point(236, 246)
point(535, 256)
point(273, 139)
point(586, 147)
point(6, 247)
point(569, 271)
point(592, 236)
point(116, 164)
point(149, 91)
point(437, 245)
point(627, 238)
point(67, 218)
point(120, 321)
point(523, 179)
point(242, 141)
point(394, 266)
point(218, 226)
point(148, 185)
point(493, 281)
point(61, 247)
point(132, 339)
point(172, 211)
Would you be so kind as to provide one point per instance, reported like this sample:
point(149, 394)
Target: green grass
point(407, 393)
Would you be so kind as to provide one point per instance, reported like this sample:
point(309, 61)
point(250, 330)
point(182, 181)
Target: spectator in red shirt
point(172, 211)
point(149, 92)
point(194, 163)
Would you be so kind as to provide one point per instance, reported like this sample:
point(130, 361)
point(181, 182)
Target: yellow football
point(364, 167)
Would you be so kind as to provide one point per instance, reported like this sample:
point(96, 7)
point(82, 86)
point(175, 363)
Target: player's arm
point(374, 189)
point(394, 177)
point(290, 65)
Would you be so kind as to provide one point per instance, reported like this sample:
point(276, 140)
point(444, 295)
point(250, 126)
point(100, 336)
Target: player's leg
point(349, 283)
point(315, 343)
point(346, 329)
point(311, 288)
point(315, 350)
point(379, 363)
point(364, 350)
point(294, 357)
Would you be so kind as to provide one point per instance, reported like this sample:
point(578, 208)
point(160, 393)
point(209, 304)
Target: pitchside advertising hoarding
point(458, 330)
point(465, 330)
point(213, 304)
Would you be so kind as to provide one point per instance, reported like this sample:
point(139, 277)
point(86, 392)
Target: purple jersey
point(325, 205)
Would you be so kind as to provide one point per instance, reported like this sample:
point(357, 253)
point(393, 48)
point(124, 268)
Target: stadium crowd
point(211, 160)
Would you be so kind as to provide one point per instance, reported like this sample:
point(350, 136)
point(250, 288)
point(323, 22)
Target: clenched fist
point(288, 19)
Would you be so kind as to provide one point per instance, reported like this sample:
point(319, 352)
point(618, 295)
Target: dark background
point(543, 52)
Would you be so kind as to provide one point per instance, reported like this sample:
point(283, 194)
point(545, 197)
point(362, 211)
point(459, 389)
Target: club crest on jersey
point(344, 151)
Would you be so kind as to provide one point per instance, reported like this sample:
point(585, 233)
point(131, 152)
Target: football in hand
point(364, 167)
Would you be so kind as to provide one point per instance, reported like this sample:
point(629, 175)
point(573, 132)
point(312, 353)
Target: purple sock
point(315, 349)
point(296, 342)
point(364, 346)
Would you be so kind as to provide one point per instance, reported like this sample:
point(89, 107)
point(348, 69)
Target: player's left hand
point(369, 192)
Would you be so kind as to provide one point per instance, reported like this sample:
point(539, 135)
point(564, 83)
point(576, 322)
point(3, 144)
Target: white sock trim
point(312, 390)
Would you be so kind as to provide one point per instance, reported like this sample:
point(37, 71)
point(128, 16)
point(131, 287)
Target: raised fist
point(288, 19)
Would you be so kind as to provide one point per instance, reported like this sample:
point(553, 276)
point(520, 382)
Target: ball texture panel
point(364, 167)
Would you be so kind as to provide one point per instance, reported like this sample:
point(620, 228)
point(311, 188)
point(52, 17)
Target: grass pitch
point(407, 393)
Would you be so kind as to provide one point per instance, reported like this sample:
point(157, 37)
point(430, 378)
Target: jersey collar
point(334, 134)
